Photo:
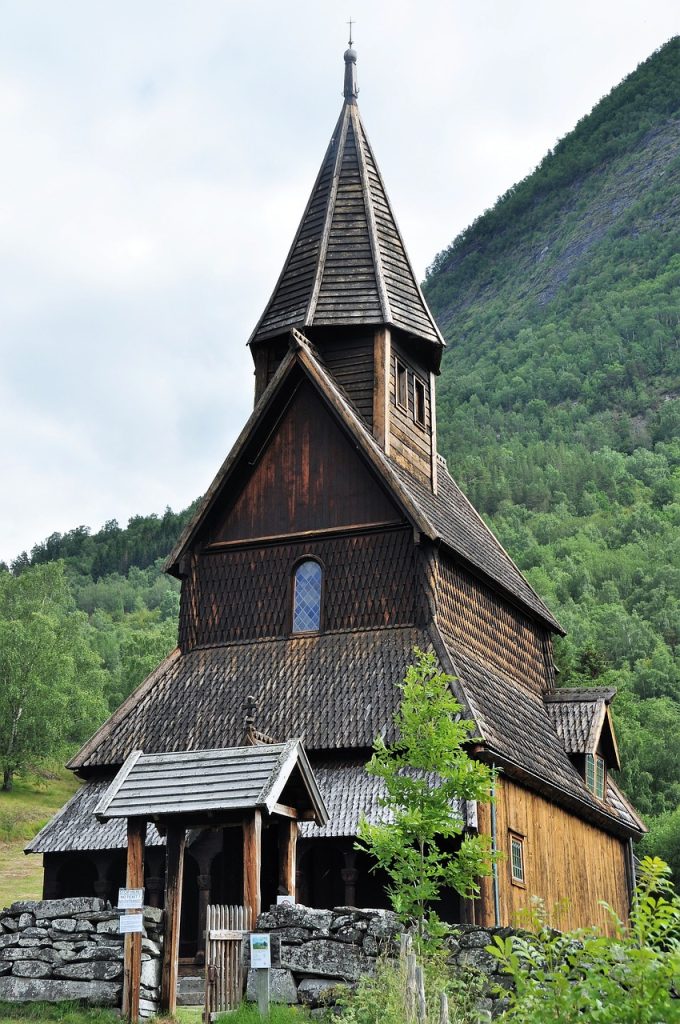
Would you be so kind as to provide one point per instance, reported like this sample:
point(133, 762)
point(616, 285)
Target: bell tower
point(349, 286)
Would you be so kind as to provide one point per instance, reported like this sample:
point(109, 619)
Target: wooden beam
point(285, 811)
point(382, 362)
point(484, 912)
point(252, 863)
point(433, 433)
point(288, 837)
point(174, 868)
point(134, 879)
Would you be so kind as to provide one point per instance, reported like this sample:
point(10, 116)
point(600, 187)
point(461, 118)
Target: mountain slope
point(559, 403)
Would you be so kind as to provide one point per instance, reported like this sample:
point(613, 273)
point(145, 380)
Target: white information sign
point(131, 923)
point(285, 901)
point(130, 899)
point(260, 951)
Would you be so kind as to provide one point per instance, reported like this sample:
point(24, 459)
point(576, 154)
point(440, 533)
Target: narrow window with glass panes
point(517, 859)
point(596, 774)
point(401, 382)
point(419, 402)
point(307, 597)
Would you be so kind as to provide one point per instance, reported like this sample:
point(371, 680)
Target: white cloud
point(156, 160)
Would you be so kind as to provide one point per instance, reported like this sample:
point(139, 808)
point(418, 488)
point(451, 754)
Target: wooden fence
point(226, 929)
point(415, 1005)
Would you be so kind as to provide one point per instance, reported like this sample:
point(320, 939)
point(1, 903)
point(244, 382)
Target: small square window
point(517, 872)
point(402, 385)
point(419, 401)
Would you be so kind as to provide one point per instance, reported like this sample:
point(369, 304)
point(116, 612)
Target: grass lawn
point(23, 811)
point(71, 1013)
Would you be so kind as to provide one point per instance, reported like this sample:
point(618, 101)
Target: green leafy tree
point(427, 771)
point(51, 682)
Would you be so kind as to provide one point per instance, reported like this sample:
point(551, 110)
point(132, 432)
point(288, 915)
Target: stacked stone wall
point(71, 949)
point(316, 951)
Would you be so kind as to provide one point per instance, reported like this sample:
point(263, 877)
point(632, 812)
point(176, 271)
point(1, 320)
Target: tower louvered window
point(307, 597)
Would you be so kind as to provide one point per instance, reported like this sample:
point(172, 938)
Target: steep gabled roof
point(446, 517)
point(581, 716)
point(348, 264)
point(196, 782)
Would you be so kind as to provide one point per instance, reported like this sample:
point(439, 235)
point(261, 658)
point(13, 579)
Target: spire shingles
point(348, 264)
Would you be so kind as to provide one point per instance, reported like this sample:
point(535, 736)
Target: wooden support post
point(134, 879)
point(288, 836)
point(381, 387)
point(484, 912)
point(174, 867)
point(252, 862)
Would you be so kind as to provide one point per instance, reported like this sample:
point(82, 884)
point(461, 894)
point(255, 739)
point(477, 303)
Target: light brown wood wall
point(564, 857)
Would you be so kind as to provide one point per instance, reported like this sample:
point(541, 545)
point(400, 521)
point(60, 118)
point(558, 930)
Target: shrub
point(630, 978)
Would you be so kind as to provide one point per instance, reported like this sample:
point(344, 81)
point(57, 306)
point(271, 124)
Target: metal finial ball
point(350, 56)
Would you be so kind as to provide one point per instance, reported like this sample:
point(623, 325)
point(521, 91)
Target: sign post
point(260, 962)
point(131, 925)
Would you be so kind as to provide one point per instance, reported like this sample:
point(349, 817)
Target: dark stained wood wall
point(348, 356)
point(244, 593)
point(306, 477)
point(564, 857)
point(410, 444)
point(479, 618)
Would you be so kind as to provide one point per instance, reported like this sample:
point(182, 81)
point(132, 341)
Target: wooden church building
point(331, 543)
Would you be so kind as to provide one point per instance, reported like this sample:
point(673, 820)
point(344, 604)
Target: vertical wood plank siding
point(480, 619)
point(306, 477)
point(243, 594)
point(563, 856)
point(350, 361)
point(410, 444)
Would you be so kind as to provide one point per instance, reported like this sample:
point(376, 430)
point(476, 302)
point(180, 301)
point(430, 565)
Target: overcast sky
point(156, 158)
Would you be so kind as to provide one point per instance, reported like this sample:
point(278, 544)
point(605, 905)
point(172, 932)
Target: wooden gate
point(226, 928)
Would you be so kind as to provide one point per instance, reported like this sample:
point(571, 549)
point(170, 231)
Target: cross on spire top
point(350, 23)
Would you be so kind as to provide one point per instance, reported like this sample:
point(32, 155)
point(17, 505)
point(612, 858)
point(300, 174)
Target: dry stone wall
point(316, 951)
point(53, 950)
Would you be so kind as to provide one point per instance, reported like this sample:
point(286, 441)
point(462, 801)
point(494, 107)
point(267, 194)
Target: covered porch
point(266, 788)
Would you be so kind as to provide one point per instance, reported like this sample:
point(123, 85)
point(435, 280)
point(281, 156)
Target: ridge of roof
point(348, 263)
point(580, 694)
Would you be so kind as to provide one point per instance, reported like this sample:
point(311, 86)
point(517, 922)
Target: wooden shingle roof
point(194, 701)
point(519, 736)
point(579, 717)
point(348, 264)
point(196, 782)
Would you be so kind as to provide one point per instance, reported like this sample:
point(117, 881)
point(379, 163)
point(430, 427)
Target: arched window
point(307, 597)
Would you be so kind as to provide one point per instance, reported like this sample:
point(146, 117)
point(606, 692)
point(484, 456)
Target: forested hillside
point(559, 413)
point(559, 405)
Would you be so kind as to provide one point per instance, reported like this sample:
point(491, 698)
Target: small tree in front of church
point(427, 772)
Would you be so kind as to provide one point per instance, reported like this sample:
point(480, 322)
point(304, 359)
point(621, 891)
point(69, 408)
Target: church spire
point(348, 265)
point(351, 87)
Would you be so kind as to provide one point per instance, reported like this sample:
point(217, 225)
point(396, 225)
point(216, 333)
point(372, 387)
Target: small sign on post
point(260, 962)
point(130, 923)
point(130, 899)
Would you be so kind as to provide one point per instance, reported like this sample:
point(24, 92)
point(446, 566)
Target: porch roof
point(195, 783)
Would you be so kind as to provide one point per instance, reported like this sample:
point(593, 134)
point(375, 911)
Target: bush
point(632, 978)
point(379, 998)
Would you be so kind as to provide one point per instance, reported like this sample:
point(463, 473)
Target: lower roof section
point(347, 790)
point(521, 739)
point(75, 828)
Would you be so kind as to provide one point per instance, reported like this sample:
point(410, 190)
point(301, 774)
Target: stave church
point(331, 543)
